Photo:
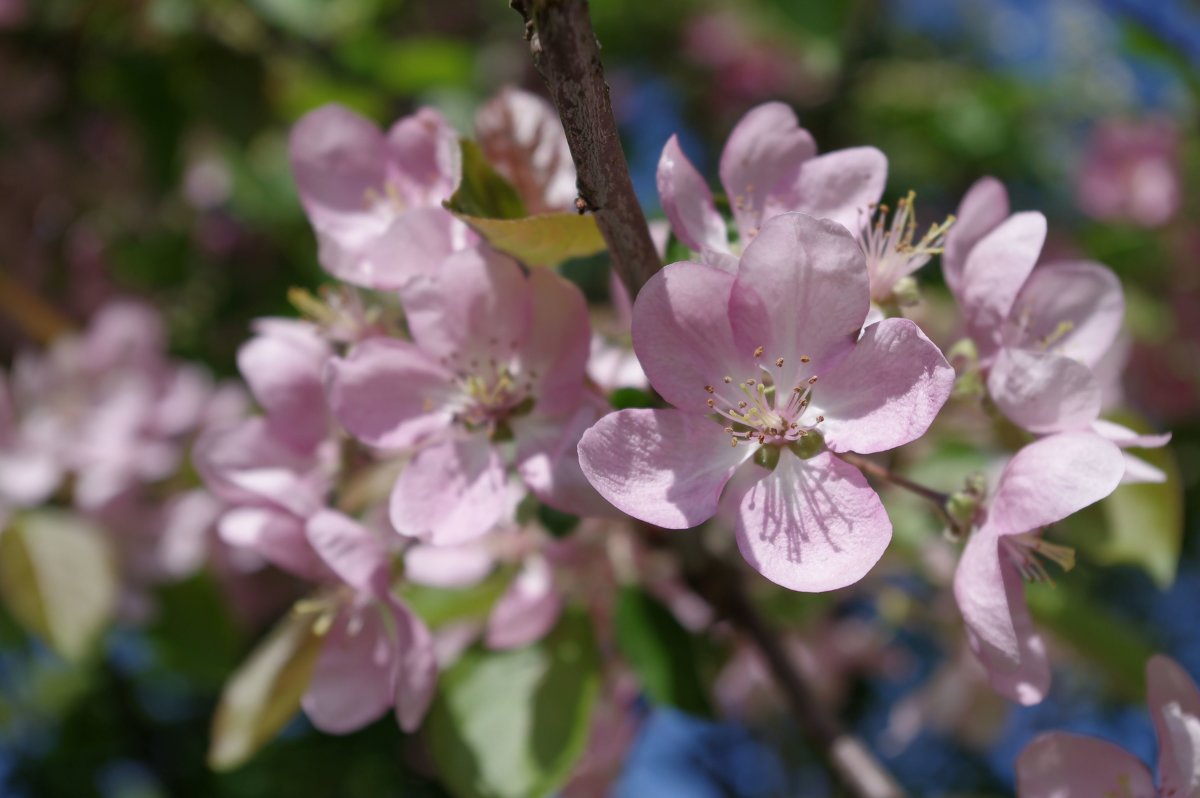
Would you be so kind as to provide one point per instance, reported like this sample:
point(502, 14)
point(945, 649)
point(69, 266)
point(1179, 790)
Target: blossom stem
point(30, 313)
point(567, 56)
point(935, 497)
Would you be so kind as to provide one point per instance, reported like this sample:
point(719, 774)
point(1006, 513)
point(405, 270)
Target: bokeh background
point(142, 151)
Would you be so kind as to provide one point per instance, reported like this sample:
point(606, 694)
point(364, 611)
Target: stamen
point(758, 351)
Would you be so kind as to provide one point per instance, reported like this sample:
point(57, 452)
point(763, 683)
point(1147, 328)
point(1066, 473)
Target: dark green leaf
point(660, 651)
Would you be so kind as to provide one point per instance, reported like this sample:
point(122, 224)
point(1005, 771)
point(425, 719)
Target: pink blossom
point(1061, 765)
point(522, 138)
point(1044, 482)
point(494, 377)
point(769, 166)
point(375, 199)
point(766, 367)
point(1131, 172)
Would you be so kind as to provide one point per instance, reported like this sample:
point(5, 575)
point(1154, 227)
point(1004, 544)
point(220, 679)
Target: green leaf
point(1145, 523)
point(660, 651)
point(58, 578)
point(512, 724)
point(483, 192)
point(439, 606)
point(264, 693)
point(544, 240)
point(625, 398)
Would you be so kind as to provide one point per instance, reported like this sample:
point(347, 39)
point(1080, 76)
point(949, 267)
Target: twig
point(938, 499)
point(567, 56)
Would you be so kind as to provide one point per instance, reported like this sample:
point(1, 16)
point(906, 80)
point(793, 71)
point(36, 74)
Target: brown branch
point(567, 56)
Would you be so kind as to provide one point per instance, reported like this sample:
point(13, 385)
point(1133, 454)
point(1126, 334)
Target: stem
point(30, 313)
point(567, 56)
point(934, 497)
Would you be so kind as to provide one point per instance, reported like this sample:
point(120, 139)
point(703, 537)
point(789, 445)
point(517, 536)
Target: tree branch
point(567, 56)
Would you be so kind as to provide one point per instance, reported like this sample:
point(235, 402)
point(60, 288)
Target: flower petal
point(528, 609)
point(983, 207)
point(274, 535)
point(1128, 439)
point(548, 460)
point(414, 244)
point(1062, 765)
point(426, 157)
point(802, 289)
point(1138, 471)
point(886, 392)
point(353, 680)
point(448, 566)
point(1072, 308)
point(688, 202)
point(1053, 478)
point(765, 149)
point(388, 393)
point(557, 354)
point(1042, 391)
point(451, 492)
point(812, 525)
point(1175, 706)
point(839, 185)
point(350, 550)
point(665, 467)
point(283, 366)
point(994, 272)
point(416, 666)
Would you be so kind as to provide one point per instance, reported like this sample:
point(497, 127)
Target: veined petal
point(451, 492)
point(1072, 308)
point(1043, 392)
point(812, 525)
point(839, 185)
point(666, 467)
point(1062, 765)
point(350, 550)
point(528, 609)
point(388, 393)
point(1052, 478)
point(1174, 705)
point(353, 680)
point(983, 208)
point(994, 272)
point(886, 392)
point(688, 202)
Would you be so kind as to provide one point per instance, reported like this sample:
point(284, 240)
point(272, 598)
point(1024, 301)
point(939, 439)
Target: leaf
point(512, 724)
point(660, 651)
point(483, 192)
point(264, 693)
point(545, 240)
point(439, 606)
point(58, 578)
point(1145, 523)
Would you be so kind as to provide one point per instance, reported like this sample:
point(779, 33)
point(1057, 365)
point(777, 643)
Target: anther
point(711, 403)
point(812, 380)
point(758, 351)
point(710, 389)
point(727, 380)
point(779, 362)
point(805, 359)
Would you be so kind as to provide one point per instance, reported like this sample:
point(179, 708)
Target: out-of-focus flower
point(1061, 765)
point(1131, 172)
point(892, 255)
point(767, 366)
point(1044, 482)
point(769, 166)
point(375, 199)
point(522, 138)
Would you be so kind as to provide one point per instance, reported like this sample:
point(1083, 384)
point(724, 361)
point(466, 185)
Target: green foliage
point(662, 653)
point(625, 398)
point(439, 606)
point(483, 192)
point(58, 579)
point(512, 724)
point(1145, 523)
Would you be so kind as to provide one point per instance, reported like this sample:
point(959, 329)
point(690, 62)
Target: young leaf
point(544, 240)
point(58, 578)
point(660, 651)
point(483, 192)
point(264, 693)
point(512, 724)
point(1145, 522)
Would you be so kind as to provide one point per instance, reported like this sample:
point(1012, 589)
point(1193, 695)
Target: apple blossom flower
point(494, 377)
point(374, 200)
point(769, 377)
point(892, 256)
point(1131, 171)
point(522, 138)
point(1061, 765)
point(1044, 483)
point(769, 166)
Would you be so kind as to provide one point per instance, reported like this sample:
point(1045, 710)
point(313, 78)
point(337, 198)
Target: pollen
point(758, 351)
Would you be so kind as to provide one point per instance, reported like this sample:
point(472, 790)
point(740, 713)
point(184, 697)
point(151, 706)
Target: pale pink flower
point(767, 365)
point(892, 250)
point(1061, 765)
point(494, 377)
point(375, 199)
point(1137, 470)
point(1044, 483)
point(769, 166)
point(522, 138)
point(1131, 172)
point(612, 363)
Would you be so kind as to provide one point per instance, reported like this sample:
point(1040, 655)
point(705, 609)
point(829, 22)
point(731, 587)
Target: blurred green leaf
point(264, 693)
point(439, 606)
point(557, 523)
point(58, 578)
point(193, 633)
point(411, 65)
point(544, 240)
point(625, 398)
point(512, 724)
point(483, 192)
point(661, 652)
point(1145, 523)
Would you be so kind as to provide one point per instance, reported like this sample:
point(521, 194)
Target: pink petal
point(426, 157)
point(283, 365)
point(353, 681)
point(1138, 471)
point(1062, 765)
point(416, 666)
point(124, 333)
point(1053, 478)
point(353, 552)
point(558, 351)
point(886, 392)
point(1127, 438)
point(839, 185)
point(548, 460)
point(812, 525)
point(983, 208)
point(274, 535)
point(478, 307)
point(528, 609)
point(1174, 704)
point(1075, 306)
point(448, 566)
point(682, 336)
point(994, 272)
point(1042, 391)
point(414, 244)
point(991, 597)
point(802, 289)
point(688, 202)
point(765, 149)
point(666, 467)
point(451, 492)
point(388, 393)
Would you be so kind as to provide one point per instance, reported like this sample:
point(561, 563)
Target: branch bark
point(567, 56)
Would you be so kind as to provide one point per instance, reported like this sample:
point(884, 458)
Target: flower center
point(890, 251)
point(758, 409)
point(387, 201)
point(491, 388)
point(1028, 550)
